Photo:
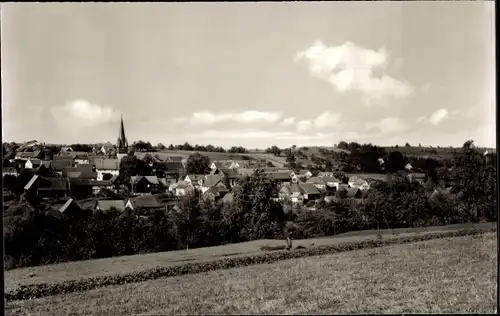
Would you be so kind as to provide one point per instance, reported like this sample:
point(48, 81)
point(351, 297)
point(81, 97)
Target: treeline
point(33, 237)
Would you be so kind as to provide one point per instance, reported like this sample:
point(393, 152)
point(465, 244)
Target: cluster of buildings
point(75, 181)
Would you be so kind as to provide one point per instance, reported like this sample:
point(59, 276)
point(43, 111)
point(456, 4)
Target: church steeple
point(122, 144)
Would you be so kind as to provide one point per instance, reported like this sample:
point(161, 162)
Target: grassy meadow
point(78, 270)
point(450, 275)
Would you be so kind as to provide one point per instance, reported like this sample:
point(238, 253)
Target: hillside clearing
point(451, 275)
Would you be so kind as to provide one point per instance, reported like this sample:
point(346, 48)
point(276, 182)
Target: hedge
point(25, 292)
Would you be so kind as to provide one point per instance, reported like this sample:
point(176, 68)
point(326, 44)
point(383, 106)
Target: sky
point(250, 74)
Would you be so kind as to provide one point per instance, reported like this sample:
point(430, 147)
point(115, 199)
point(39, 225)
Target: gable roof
point(59, 183)
point(150, 179)
point(351, 192)
point(280, 175)
point(309, 188)
point(211, 180)
point(89, 203)
point(246, 171)
point(107, 164)
point(35, 162)
point(106, 205)
point(316, 180)
point(152, 201)
point(31, 182)
point(59, 165)
point(330, 179)
point(65, 206)
point(28, 154)
point(173, 166)
point(230, 173)
point(196, 177)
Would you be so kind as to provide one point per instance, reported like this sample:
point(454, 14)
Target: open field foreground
point(98, 268)
point(448, 275)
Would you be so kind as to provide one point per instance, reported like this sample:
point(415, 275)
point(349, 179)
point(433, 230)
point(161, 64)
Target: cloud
point(288, 121)
point(438, 116)
point(351, 68)
point(80, 113)
point(327, 119)
point(387, 125)
point(304, 126)
point(246, 117)
point(324, 120)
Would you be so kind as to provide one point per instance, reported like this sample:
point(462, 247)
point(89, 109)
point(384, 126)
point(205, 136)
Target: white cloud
point(438, 116)
point(327, 119)
point(83, 113)
point(288, 121)
point(246, 117)
point(387, 125)
point(304, 126)
point(350, 68)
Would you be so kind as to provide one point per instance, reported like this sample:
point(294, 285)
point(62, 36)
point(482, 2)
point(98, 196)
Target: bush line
point(33, 291)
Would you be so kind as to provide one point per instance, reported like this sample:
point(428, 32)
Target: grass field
point(129, 264)
point(452, 275)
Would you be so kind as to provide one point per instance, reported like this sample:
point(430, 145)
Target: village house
point(230, 176)
point(47, 187)
point(318, 182)
point(107, 149)
point(103, 166)
point(182, 188)
point(174, 170)
point(161, 201)
point(45, 170)
point(68, 208)
point(309, 191)
point(195, 180)
point(331, 182)
point(216, 192)
point(108, 205)
point(281, 176)
point(59, 165)
point(88, 203)
point(298, 193)
point(32, 163)
point(81, 159)
point(25, 155)
point(304, 174)
point(9, 171)
point(325, 174)
point(82, 171)
point(110, 185)
point(144, 184)
point(356, 182)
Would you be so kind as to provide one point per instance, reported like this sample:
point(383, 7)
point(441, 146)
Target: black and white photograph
point(202, 158)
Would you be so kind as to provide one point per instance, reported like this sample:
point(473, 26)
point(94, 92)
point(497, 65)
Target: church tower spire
point(122, 144)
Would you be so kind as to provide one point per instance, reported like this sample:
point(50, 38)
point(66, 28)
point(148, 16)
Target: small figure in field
point(288, 238)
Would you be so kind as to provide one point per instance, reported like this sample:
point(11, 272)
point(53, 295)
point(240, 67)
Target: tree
point(275, 150)
point(160, 146)
point(290, 158)
point(171, 147)
point(395, 162)
point(256, 215)
point(407, 145)
point(198, 164)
